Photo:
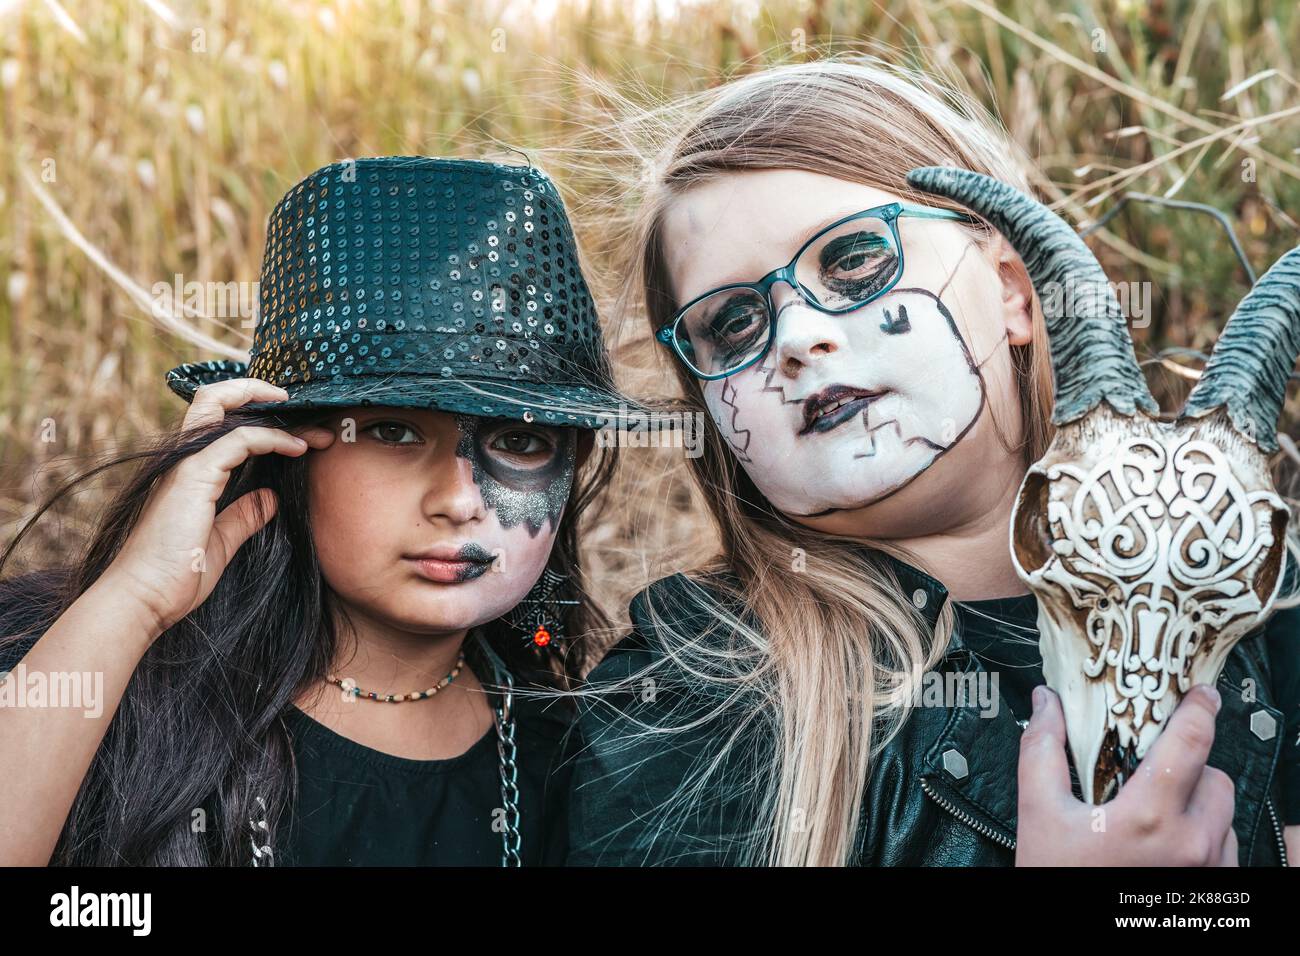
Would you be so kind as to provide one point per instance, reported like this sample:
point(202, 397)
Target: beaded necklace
point(350, 686)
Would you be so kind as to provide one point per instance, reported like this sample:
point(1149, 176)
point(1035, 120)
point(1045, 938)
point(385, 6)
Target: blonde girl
point(779, 704)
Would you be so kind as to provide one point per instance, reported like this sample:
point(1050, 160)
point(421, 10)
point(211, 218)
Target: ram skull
point(1152, 544)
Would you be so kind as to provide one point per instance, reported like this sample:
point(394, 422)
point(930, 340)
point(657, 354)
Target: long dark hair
point(200, 725)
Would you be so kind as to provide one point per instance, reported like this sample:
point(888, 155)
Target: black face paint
point(533, 495)
point(894, 326)
point(479, 562)
point(856, 266)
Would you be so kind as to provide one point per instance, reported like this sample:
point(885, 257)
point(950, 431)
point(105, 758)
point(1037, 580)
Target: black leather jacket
point(942, 792)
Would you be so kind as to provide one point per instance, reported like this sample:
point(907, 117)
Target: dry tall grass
point(148, 138)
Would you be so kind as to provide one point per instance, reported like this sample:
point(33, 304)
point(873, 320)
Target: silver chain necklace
point(503, 719)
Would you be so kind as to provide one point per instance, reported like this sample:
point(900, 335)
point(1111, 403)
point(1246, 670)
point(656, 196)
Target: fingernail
point(1214, 696)
point(1038, 697)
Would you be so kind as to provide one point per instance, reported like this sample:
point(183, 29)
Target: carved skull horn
point(1151, 546)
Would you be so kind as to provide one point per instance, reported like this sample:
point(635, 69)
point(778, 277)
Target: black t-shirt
point(361, 807)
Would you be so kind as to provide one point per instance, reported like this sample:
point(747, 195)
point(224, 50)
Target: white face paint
point(896, 388)
point(844, 410)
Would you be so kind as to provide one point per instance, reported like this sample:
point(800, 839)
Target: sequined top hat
point(425, 282)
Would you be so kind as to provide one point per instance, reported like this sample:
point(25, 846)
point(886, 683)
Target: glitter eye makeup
point(520, 443)
point(523, 474)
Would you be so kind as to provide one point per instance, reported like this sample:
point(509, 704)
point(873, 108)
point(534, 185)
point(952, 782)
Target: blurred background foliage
point(148, 138)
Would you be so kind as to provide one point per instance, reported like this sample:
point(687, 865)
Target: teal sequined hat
point(425, 282)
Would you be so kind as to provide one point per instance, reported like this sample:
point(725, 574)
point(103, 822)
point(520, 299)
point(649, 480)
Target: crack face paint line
point(770, 370)
point(740, 448)
point(532, 495)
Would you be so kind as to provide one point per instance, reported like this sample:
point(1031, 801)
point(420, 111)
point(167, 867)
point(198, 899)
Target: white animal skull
point(1152, 546)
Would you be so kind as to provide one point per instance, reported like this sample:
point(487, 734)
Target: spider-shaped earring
point(540, 615)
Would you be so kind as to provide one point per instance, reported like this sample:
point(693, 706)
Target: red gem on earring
point(541, 637)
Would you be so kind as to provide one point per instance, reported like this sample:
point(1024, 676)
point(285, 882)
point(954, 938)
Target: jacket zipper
point(996, 837)
point(1277, 830)
point(966, 818)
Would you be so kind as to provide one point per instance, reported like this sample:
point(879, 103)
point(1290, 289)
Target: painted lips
point(444, 566)
point(834, 405)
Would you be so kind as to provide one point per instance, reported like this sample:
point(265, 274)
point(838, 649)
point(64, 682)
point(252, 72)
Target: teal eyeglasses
point(843, 267)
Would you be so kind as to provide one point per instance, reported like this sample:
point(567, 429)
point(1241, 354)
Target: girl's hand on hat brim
point(211, 402)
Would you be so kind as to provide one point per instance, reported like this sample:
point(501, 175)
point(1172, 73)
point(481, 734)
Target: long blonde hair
point(825, 658)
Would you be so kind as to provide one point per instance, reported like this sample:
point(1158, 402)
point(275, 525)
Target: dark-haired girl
point(312, 613)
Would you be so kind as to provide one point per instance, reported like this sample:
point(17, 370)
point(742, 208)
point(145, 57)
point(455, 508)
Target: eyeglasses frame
point(889, 213)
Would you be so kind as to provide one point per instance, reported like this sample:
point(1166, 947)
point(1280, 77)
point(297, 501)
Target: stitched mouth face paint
point(518, 481)
point(880, 394)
